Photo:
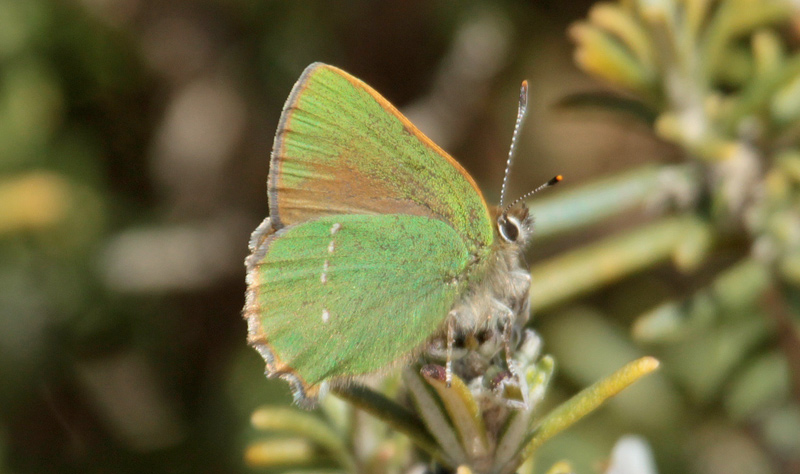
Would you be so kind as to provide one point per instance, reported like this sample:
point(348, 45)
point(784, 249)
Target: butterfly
point(377, 241)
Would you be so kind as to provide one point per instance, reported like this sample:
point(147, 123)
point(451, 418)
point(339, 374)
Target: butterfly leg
point(508, 328)
point(451, 336)
point(507, 317)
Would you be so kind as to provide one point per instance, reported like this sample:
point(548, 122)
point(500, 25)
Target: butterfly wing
point(341, 148)
point(340, 296)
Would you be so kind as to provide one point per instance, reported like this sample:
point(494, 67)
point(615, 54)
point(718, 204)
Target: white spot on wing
point(324, 277)
point(331, 246)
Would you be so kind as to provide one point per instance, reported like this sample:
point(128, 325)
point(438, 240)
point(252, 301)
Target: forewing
point(346, 295)
point(341, 148)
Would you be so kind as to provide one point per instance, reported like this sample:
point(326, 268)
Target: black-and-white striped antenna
point(554, 180)
point(521, 112)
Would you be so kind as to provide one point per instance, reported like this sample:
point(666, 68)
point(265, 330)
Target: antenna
point(521, 111)
point(554, 180)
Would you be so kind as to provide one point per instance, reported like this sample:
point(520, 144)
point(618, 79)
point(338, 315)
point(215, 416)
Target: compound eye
point(509, 228)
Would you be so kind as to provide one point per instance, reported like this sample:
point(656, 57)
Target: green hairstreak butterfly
point(377, 240)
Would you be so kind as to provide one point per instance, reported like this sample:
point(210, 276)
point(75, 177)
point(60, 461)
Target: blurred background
point(134, 146)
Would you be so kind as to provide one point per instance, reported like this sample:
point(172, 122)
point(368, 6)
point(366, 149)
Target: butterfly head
point(515, 226)
point(514, 223)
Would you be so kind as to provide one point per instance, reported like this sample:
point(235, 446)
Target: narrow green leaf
point(305, 424)
point(595, 202)
point(704, 364)
point(434, 416)
point(673, 321)
point(697, 242)
point(789, 267)
point(622, 24)
point(761, 383)
point(785, 103)
point(601, 54)
point(528, 467)
point(581, 271)
point(696, 15)
point(33, 201)
point(561, 467)
point(733, 292)
point(734, 19)
point(740, 286)
point(281, 452)
point(463, 410)
point(338, 412)
point(586, 401)
point(756, 95)
point(788, 162)
point(768, 52)
point(396, 416)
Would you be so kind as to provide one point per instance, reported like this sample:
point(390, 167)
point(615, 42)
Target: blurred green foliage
point(134, 137)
